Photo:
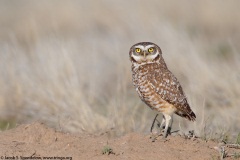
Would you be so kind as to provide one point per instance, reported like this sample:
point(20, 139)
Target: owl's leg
point(162, 123)
point(170, 125)
point(168, 120)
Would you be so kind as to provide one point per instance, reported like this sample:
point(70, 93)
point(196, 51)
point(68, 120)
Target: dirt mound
point(36, 141)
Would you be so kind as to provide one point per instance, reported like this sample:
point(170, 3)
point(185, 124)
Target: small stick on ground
point(153, 123)
point(236, 146)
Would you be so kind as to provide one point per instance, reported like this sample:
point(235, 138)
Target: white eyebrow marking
point(149, 46)
point(144, 47)
point(140, 46)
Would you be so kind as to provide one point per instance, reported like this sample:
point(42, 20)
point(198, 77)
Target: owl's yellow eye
point(138, 50)
point(150, 50)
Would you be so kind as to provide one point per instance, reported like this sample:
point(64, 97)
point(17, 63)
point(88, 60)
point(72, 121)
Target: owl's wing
point(170, 90)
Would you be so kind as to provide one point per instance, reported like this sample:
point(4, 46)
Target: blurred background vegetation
point(66, 64)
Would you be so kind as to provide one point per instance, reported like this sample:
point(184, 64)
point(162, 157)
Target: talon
point(164, 139)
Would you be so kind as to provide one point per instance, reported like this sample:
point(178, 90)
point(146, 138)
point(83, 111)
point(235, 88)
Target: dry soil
point(37, 141)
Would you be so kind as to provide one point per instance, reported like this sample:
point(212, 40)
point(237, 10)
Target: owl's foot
point(155, 137)
point(167, 132)
point(163, 139)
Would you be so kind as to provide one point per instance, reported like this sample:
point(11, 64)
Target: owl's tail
point(189, 115)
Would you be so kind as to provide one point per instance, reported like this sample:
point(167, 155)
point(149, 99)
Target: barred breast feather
point(159, 89)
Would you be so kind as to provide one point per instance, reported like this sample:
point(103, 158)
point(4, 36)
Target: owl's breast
point(146, 91)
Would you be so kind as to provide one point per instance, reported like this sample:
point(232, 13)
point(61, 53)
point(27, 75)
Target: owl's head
point(145, 52)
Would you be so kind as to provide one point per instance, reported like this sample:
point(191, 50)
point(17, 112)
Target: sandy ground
point(37, 141)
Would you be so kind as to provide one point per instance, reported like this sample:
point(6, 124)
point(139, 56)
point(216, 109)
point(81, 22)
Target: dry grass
point(66, 62)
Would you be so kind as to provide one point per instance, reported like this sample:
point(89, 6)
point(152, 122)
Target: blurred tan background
point(65, 63)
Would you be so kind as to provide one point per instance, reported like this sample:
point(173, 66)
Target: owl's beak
point(144, 54)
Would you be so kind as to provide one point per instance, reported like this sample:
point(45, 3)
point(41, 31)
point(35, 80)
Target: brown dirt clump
point(40, 142)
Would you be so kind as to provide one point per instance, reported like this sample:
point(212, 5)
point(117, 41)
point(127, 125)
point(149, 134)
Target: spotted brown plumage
point(156, 85)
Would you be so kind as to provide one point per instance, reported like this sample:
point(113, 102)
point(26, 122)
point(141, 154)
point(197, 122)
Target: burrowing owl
point(156, 85)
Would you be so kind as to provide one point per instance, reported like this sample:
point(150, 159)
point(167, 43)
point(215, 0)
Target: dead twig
point(153, 123)
point(236, 146)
